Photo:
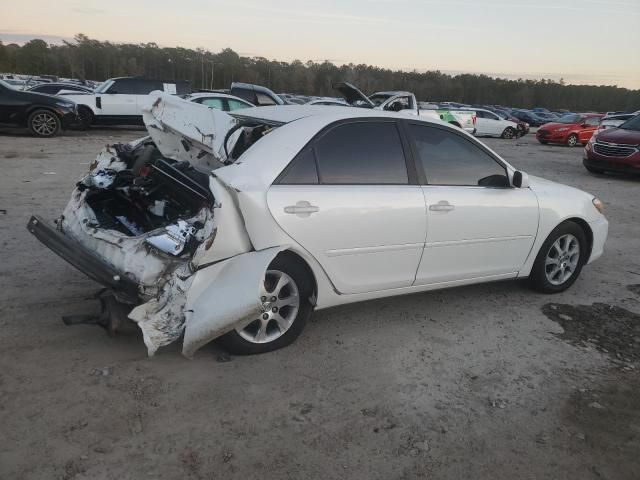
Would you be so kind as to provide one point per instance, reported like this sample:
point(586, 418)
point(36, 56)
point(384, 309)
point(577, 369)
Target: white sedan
point(489, 124)
point(236, 227)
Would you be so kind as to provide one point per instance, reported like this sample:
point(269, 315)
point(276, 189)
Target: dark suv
point(615, 149)
point(43, 115)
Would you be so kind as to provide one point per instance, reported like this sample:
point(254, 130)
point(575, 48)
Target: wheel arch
point(33, 108)
point(588, 233)
point(296, 257)
point(455, 123)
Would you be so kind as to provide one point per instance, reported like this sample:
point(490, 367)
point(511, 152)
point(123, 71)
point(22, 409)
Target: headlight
point(65, 104)
point(598, 204)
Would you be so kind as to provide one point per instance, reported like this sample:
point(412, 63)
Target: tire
point(508, 133)
point(85, 118)
point(572, 140)
point(594, 170)
point(249, 340)
point(563, 268)
point(44, 123)
point(543, 142)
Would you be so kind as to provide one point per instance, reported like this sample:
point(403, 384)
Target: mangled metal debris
point(151, 216)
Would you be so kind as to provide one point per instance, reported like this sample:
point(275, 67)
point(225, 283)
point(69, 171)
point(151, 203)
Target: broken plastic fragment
point(175, 239)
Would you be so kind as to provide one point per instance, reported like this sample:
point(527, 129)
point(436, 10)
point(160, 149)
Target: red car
point(570, 129)
point(615, 149)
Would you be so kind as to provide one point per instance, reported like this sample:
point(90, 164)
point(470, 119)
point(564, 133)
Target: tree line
point(90, 59)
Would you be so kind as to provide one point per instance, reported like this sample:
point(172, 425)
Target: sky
point(583, 41)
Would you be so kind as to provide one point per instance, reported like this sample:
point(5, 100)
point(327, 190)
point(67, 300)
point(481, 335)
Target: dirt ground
point(486, 382)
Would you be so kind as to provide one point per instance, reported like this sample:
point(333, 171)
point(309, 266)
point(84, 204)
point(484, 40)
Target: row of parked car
point(48, 107)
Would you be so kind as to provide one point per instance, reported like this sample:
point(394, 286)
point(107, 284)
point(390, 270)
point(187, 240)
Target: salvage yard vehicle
point(615, 149)
point(489, 124)
point(256, 94)
point(570, 130)
point(405, 102)
point(237, 226)
point(119, 101)
point(219, 101)
point(43, 115)
point(58, 88)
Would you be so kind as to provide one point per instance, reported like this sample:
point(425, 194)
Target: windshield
point(104, 86)
point(633, 124)
point(379, 98)
point(573, 118)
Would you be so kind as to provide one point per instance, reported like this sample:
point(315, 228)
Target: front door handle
point(301, 209)
point(441, 206)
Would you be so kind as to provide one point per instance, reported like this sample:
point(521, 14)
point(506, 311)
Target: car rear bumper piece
point(83, 259)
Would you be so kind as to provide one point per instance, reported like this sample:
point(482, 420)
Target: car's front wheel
point(85, 118)
point(560, 259)
point(508, 133)
point(572, 140)
point(44, 123)
point(284, 295)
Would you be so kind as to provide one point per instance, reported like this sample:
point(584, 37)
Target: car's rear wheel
point(284, 295)
point(508, 133)
point(560, 259)
point(543, 142)
point(572, 140)
point(44, 123)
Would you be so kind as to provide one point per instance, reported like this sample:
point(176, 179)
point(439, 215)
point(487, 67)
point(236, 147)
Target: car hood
point(352, 94)
point(620, 135)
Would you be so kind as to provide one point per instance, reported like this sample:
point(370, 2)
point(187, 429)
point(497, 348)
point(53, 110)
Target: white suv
point(118, 101)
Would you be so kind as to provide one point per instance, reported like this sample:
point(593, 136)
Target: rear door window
point(216, 103)
point(361, 153)
point(236, 105)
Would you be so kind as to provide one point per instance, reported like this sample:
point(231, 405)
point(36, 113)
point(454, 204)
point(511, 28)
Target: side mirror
point(520, 180)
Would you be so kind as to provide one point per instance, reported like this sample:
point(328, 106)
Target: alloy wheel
point(562, 259)
point(572, 141)
point(280, 301)
point(44, 124)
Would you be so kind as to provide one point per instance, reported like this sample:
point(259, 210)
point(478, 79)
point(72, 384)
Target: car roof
point(392, 93)
point(215, 94)
point(281, 114)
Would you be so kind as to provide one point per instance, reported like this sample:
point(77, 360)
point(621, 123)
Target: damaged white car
point(236, 226)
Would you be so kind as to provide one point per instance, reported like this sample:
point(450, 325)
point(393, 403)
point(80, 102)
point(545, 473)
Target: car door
point(478, 225)
point(483, 126)
point(351, 199)
point(120, 100)
point(494, 124)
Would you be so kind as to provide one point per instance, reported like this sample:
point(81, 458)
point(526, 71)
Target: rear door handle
point(441, 206)
point(301, 209)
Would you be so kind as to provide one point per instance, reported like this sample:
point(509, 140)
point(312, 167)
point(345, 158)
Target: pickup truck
point(119, 101)
point(405, 102)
